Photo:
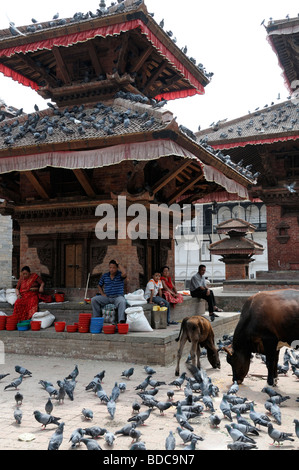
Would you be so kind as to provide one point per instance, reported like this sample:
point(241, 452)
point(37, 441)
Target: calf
point(268, 321)
point(199, 332)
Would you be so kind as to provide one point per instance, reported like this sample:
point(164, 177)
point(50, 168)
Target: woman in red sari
point(27, 290)
point(169, 290)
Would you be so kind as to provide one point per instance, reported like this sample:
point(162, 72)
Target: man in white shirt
point(199, 289)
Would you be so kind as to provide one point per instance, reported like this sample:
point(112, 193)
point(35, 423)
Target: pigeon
point(170, 394)
point(163, 406)
point(258, 418)
point(57, 438)
point(111, 407)
point(296, 422)
point(215, 420)
point(109, 438)
point(88, 414)
point(19, 398)
point(18, 415)
point(2, 376)
point(226, 409)
point(291, 187)
point(22, 371)
point(143, 385)
point(155, 383)
point(61, 394)
point(279, 436)
point(237, 445)
point(170, 441)
point(95, 431)
point(237, 435)
point(122, 387)
point(278, 399)
point(136, 406)
point(15, 383)
point(182, 420)
point(274, 410)
point(270, 391)
point(187, 435)
point(208, 402)
point(141, 417)
point(233, 389)
point(179, 382)
point(115, 392)
point(76, 437)
point(126, 429)
point(149, 370)
point(138, 446)
point(91, 444)
point(191, 446)
point(49, 406)
point(245, 429)
point(44, 419)
point(128, 373)
point(74, 374)
point(134, 433)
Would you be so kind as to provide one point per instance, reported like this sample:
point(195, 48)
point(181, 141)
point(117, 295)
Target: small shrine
point(236, 249)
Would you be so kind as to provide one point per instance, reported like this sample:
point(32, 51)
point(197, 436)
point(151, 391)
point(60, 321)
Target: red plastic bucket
point(59, 297)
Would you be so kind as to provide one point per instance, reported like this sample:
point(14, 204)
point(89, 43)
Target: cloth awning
point(105, 157)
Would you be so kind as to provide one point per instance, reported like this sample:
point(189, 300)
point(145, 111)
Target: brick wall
point(282, 256)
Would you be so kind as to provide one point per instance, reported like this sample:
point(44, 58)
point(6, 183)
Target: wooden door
point(73, 265)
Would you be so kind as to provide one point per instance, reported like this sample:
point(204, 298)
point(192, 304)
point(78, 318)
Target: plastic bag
point(46, 318)
point(109, 313)
point(136, 298)
point(11, 296)
point(137, 320)
point(2, 295)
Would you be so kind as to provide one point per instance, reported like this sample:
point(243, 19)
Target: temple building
point(107, 137)
point(266, 143)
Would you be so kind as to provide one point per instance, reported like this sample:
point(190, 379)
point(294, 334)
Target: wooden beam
point(36, 184)
point(141, 59)
point(170, 176)
point(61, 69)
point(184, 188)
point(27, 60)
point(122, 62)
point(95, 59)
point(85, 183)
point(156, 75)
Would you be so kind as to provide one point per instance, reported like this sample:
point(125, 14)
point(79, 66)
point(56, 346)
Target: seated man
point(198, 288)
point(111, 287)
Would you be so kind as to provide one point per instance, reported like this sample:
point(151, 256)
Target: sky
point(226, 36)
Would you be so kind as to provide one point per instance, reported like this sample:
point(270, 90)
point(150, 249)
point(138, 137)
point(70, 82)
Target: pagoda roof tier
point(89, 58)
point(233, 246)
point(235, 225)
point(283, 35)
point(110, 133)
point(264, 125)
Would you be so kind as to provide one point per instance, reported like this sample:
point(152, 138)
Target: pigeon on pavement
point(170, 441)
point(23, 371)
point(187, 436)
point(57, 438)
point(91, 444)
point(279, 436)
point(44, 419)
point(15, 383)
point(128, 373)
point(18, 415)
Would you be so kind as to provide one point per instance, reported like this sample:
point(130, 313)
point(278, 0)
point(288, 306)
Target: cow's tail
point(182, 327)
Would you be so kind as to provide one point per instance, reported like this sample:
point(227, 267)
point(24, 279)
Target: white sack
point(46, 318)
point(11, 296)
point(137, 320)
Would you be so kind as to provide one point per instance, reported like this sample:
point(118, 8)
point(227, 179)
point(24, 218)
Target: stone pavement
point(157, 427)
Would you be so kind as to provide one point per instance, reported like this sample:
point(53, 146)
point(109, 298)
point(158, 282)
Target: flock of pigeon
point(76, 121)
point(233, 414)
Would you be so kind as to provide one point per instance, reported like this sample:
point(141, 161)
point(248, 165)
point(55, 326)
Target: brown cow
point(268, 321)
point(199, 332)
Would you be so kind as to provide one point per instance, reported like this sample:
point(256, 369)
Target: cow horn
point(228, 350)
